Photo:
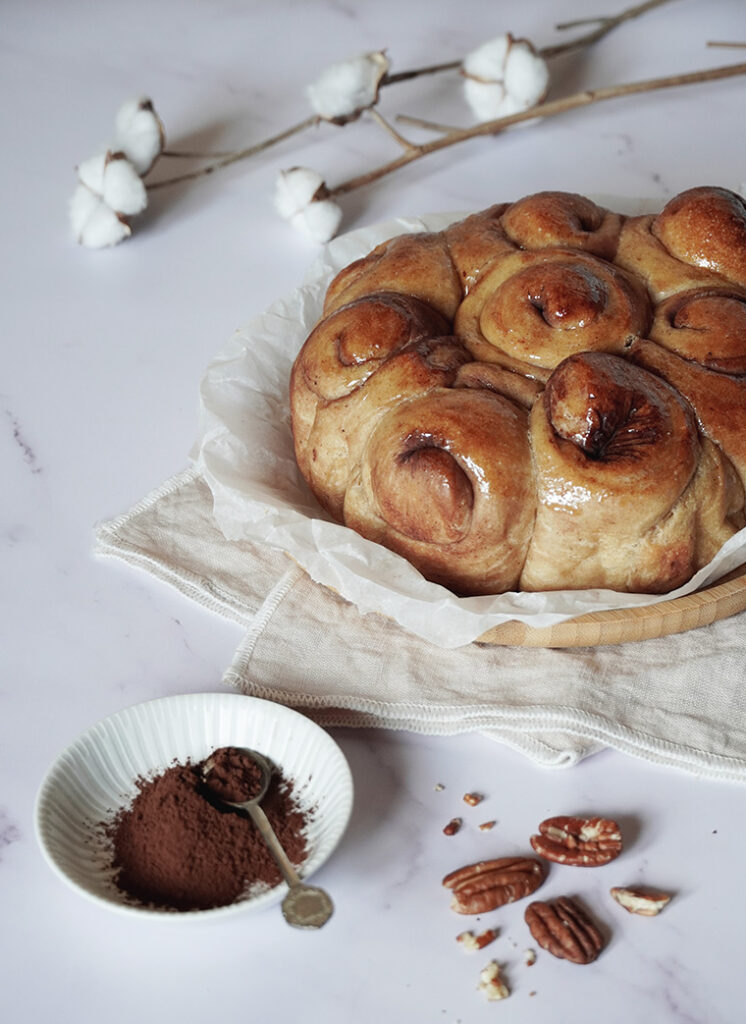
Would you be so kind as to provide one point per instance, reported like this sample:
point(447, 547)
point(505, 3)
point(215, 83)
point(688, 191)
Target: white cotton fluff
point(124, 190)
point(504, 76)
point(114, 179)
point(487, 62)
point(95, 224)
point(295, 189)
point(319, 221)
point(345, 89)
point(139, 133)
point(91, 172)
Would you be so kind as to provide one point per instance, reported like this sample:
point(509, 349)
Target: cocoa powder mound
point(176, 849)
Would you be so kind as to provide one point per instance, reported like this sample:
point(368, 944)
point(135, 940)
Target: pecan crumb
point(486, 826)
point(529, 957)
point(439, 787)
point(452, 827)
point(491, 984)
point(472, 799)
point(473, 942)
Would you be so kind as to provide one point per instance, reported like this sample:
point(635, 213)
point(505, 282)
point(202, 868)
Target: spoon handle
point(268, 835)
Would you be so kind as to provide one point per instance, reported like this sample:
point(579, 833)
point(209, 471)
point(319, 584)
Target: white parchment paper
point(245, 453)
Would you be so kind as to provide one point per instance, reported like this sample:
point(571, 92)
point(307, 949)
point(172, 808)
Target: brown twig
point(185, 154)
point(606, 24)
point(543, 110)
point(390, 130)
point(431, 126)
point(241, 154)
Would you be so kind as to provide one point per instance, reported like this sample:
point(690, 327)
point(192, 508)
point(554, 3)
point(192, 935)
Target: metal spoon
point(305, 906)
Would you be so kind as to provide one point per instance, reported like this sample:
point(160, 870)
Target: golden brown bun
point(697, 241)
point(432, 485)
point(546, 395)
point(416, 265)
point(707, 326)
point(474, 243)
point(555, 219)
point(531, 310)
point(718, 400)
point(618, 464)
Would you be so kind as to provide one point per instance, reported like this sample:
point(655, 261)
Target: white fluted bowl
point(97, 774)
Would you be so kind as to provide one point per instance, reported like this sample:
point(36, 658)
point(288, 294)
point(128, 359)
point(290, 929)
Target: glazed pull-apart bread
point(546, 395)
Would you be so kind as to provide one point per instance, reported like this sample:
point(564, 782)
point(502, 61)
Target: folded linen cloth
point(676, 700)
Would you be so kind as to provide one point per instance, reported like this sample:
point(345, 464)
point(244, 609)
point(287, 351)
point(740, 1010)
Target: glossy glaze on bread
point(546, 395)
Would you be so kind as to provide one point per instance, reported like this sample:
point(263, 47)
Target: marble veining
point(27, 452)
point(9, 832)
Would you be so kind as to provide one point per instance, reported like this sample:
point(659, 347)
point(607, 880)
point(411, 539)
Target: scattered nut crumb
point(487, 825)
point(646, 902)
point(491, 984)
point(473, 942)
point(452, 827)
point(472, 799)
point(532, 993)
point(529, 957)
point(439, 787)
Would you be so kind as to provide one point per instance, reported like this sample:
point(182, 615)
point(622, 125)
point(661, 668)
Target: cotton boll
point(139, 133)
point(123, 189)
point(95, 224)
point(526, 75)
point(295, 189)
point(504, 76)
point(319, 221)
point(345, 89)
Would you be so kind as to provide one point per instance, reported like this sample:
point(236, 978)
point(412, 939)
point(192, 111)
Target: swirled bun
point(545, 395)
point(697, 240)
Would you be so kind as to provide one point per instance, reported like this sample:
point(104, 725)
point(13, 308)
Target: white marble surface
point(102, 354)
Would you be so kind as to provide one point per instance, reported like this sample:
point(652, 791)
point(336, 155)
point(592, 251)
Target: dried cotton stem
point(607, 24)
point(543, 110)
point(241, 154)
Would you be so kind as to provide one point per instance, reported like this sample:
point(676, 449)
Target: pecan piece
point(564, 929)
point(453, 826)
point(647, 902)
point(491, 982)
point(581, 842)
point(473, 942)
point(489, 884)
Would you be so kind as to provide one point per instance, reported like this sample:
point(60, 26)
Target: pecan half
point(488, 884)
point(581, 842)
point(647, 902)
point(563, 928)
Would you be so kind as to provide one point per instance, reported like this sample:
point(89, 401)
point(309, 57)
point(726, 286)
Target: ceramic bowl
point(97, 776)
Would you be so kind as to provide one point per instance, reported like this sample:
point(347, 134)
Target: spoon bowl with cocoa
point(241, 785)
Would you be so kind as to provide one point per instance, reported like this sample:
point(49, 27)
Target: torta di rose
point(546, 395)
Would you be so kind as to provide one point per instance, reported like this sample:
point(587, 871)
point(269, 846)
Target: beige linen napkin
point(677, 700)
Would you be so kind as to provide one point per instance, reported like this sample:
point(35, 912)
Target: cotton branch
point(605, 25)
point(560, 106)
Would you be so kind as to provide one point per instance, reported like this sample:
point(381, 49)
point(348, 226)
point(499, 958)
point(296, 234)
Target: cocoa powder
point(176, 848)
